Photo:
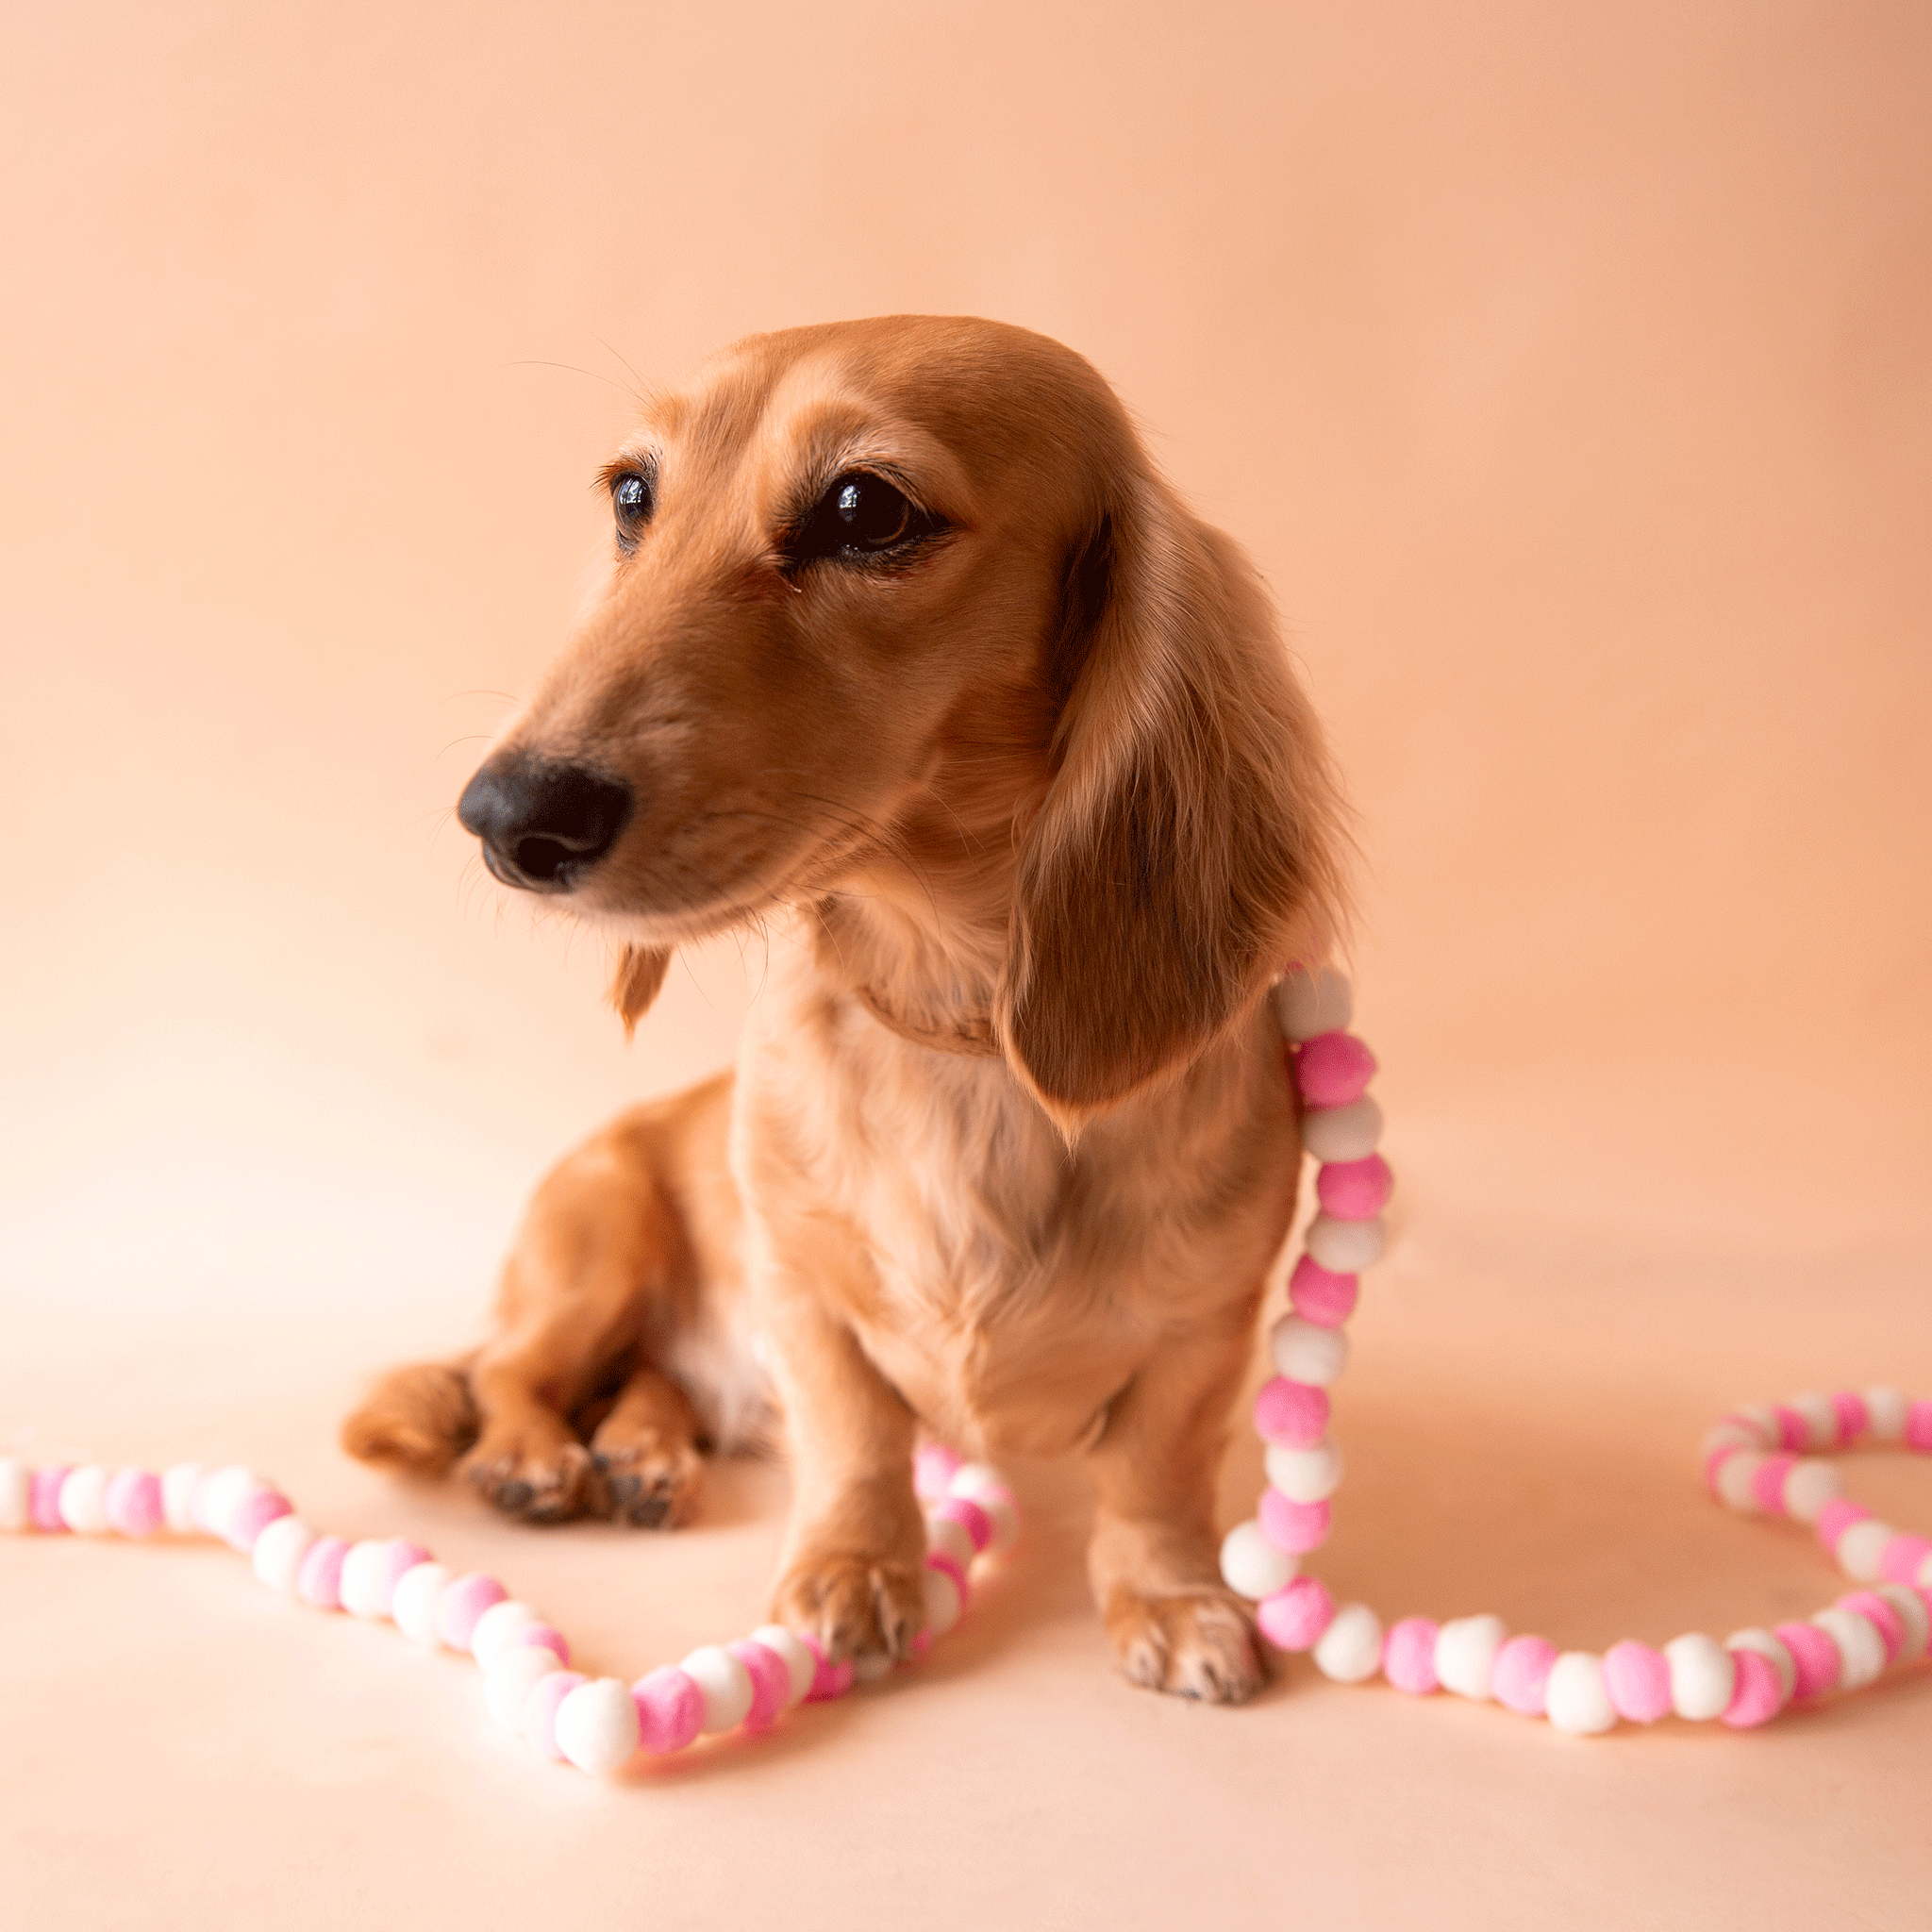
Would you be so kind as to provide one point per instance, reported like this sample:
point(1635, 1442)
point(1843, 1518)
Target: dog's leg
point(1154, 1560)
point(600, 1265)
point(852, 1573)
point(645, 1454)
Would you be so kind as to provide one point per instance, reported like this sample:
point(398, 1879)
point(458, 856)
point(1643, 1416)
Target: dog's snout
point(543, 824)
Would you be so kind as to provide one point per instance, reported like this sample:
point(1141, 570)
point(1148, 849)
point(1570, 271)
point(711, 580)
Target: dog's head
point(901, 607)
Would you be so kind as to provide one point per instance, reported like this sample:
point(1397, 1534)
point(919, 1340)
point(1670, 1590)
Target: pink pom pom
point(1885, 1616)
point(253, 1514)
point(1919, 1425)
point(1409, 1655)
point(1793, 1432)
point(1759, 1694)
point(1354, 1189)
point(1294, 1527)
point(43, 1497)
point(547, 1636)
point(1902, 1557)
point(1768, 1482)
point(937, 1560)
point(540, 1713)
point(1294, 1414)
point(1836, 1518)
point(670, 1711)
point(970, 1517)
point(771, 1681)
point(403, 1556)
point(1854, 1418)
point(319, 1581)
point(933, 1466)
point(134, 1503)
point(1520, 1677)
point(1295, 1618)
point(1319, 1295)
point(831, 1680)
point(1637, 1679)
point(1815, 1658)
point(460, 1602)
point(1333, 1070)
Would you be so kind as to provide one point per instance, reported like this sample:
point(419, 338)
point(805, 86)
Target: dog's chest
point(1007, 1287)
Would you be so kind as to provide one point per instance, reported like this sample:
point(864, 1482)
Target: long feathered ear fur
point(640, 973)
point(1190, 844)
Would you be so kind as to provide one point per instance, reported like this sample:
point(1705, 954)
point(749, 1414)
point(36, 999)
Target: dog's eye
point(632, 499)
point(860, 516)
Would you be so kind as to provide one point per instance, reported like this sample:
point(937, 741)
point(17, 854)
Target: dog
point(907, 653)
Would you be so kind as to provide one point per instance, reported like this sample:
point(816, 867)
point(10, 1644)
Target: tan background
point(1566, 367)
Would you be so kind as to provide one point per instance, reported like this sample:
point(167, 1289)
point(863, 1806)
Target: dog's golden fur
point(1009, 1152)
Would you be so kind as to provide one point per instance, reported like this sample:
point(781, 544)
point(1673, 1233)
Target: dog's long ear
point(640, 973)
point(1188, 845)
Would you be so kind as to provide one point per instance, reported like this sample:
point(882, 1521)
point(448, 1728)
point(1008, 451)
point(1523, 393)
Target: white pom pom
point(981, 1483)
point(1350, 1650)
point(943, 1606)
point(1762, 1418)
point(1809, 1485)
point(1304, 1475)
point(1307, 1003)
point(214, 1499)
point(1466, 1651)
point(596, 1727)
point(1768, 1645)
point(1860, 1649)
point(178, 1485)
point(798, 1657)
point(1576, 1700)
point(947, 1538)
point(1305, 1353)
point(1250, 1566)
point(84, 1501)
point(1342, 1133)
point(724, 1684)
point(1703, 1676)
point(276, 1558)
point(1820, 1419)
point(16, 1493)
point(1346, 1247)
point(1888, 1410)
point(1735, 1476)
point(1862, 1550)
point(1727, 1435)
point(509, 1680)
point(412, 1604)
point(1910, 1606)
point(498, 1629)
point(365, 1577)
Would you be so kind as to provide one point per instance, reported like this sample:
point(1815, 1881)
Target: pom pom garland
point(1762, 1459)
point(598, 1725)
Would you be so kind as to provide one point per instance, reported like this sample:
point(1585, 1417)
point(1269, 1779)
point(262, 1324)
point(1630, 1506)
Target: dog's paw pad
point(649, 1485)
point(550, 1484)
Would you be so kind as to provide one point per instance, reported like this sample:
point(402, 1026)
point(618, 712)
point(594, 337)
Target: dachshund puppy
point(905, 644)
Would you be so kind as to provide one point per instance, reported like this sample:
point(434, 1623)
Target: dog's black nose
point(543, 825)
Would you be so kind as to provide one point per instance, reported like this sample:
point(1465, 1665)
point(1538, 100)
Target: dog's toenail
point(515, 1495)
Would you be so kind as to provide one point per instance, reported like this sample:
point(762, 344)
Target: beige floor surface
point(1567, 370)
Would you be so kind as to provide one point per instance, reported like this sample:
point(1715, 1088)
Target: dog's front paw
point(863, 1604)
point(538, 1479)
point(1195, 1642)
